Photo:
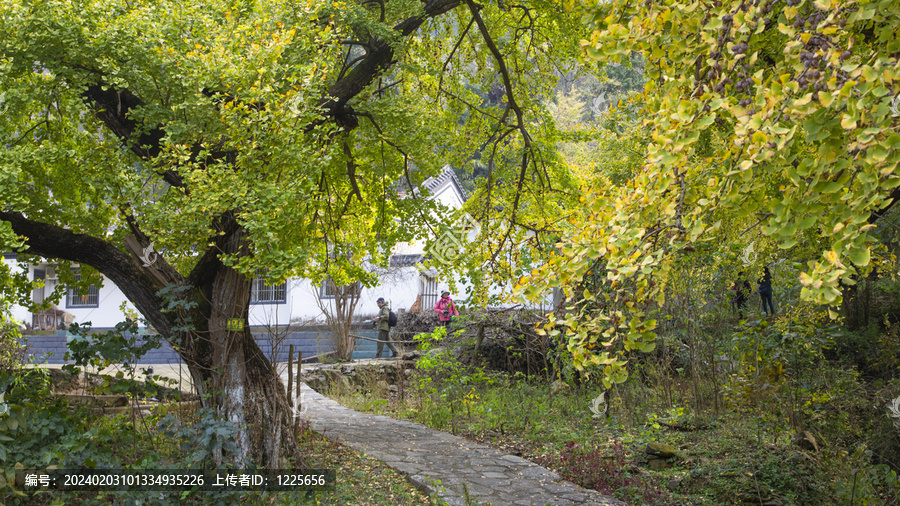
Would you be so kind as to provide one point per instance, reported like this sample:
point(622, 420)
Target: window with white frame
point(76, 298)
point(260, 293)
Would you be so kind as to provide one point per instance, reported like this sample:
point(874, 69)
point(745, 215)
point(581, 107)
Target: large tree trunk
point(233, 374)
point(240, 383)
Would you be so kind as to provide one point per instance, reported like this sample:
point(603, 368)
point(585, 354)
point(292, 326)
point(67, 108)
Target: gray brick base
point(51, 349)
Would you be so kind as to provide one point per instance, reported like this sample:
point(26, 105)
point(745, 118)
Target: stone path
point(442, 464)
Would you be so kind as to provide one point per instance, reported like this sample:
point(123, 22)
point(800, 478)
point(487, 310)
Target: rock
point(662, 450)
point(411, 355)
point(673, 484)
point(354, 376)
point(560, 387)
point(102, 401)
point(806, 441)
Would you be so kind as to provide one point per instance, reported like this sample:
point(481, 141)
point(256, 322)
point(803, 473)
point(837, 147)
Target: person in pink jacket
point(446, 308)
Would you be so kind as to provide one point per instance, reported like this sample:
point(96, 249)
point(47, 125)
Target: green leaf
point(860, 256)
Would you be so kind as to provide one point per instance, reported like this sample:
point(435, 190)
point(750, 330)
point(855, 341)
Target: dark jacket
point(765, 284)
point(741, 290)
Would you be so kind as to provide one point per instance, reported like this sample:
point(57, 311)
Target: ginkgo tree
point(240, 137)
point(771, 116)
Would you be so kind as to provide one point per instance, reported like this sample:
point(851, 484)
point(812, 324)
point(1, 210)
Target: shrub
point(12, 351)
point(591, 467)
point(206, 440)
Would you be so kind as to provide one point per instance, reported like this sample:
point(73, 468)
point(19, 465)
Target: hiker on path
point(446, 309)
point(765, 291)
point(382, 322)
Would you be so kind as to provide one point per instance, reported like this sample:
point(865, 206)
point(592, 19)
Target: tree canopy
point(768, 120)
point(237, 137)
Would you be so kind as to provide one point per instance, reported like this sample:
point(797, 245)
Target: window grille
point(428, 291)
point(260, 293)
point(88, 298)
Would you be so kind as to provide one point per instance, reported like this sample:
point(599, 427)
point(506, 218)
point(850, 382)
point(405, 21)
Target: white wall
point(105, 315)
point(399, 287)
point(18, 312)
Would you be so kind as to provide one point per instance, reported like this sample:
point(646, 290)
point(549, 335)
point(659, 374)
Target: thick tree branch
point(113, 106)
point(379, 58)
point(205, 269)
point(139, 284)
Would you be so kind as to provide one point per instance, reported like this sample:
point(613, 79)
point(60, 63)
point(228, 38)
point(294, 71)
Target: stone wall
point(362, 376)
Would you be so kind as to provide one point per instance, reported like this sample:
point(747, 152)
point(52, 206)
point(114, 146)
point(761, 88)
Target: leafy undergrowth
point(733, 458)
point(593, 467)
point(48, 432)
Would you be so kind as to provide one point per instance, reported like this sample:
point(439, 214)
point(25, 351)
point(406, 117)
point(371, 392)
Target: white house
point(406, 286)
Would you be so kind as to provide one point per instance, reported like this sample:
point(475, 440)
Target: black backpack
point(392, 319)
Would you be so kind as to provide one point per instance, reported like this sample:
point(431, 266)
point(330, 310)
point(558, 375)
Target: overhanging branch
point(139, 284)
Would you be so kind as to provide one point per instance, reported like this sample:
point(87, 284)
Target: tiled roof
point(406, 260)
point(446, 177)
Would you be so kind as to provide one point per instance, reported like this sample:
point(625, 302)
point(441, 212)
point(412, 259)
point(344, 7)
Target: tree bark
point(232, 373)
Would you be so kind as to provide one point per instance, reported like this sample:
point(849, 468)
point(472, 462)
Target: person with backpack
point(383, 324)
point(446, 309)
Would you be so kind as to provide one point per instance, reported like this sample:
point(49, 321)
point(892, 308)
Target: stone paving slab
point(441, 464)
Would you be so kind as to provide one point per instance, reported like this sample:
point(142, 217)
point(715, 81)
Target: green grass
point(736, 457)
